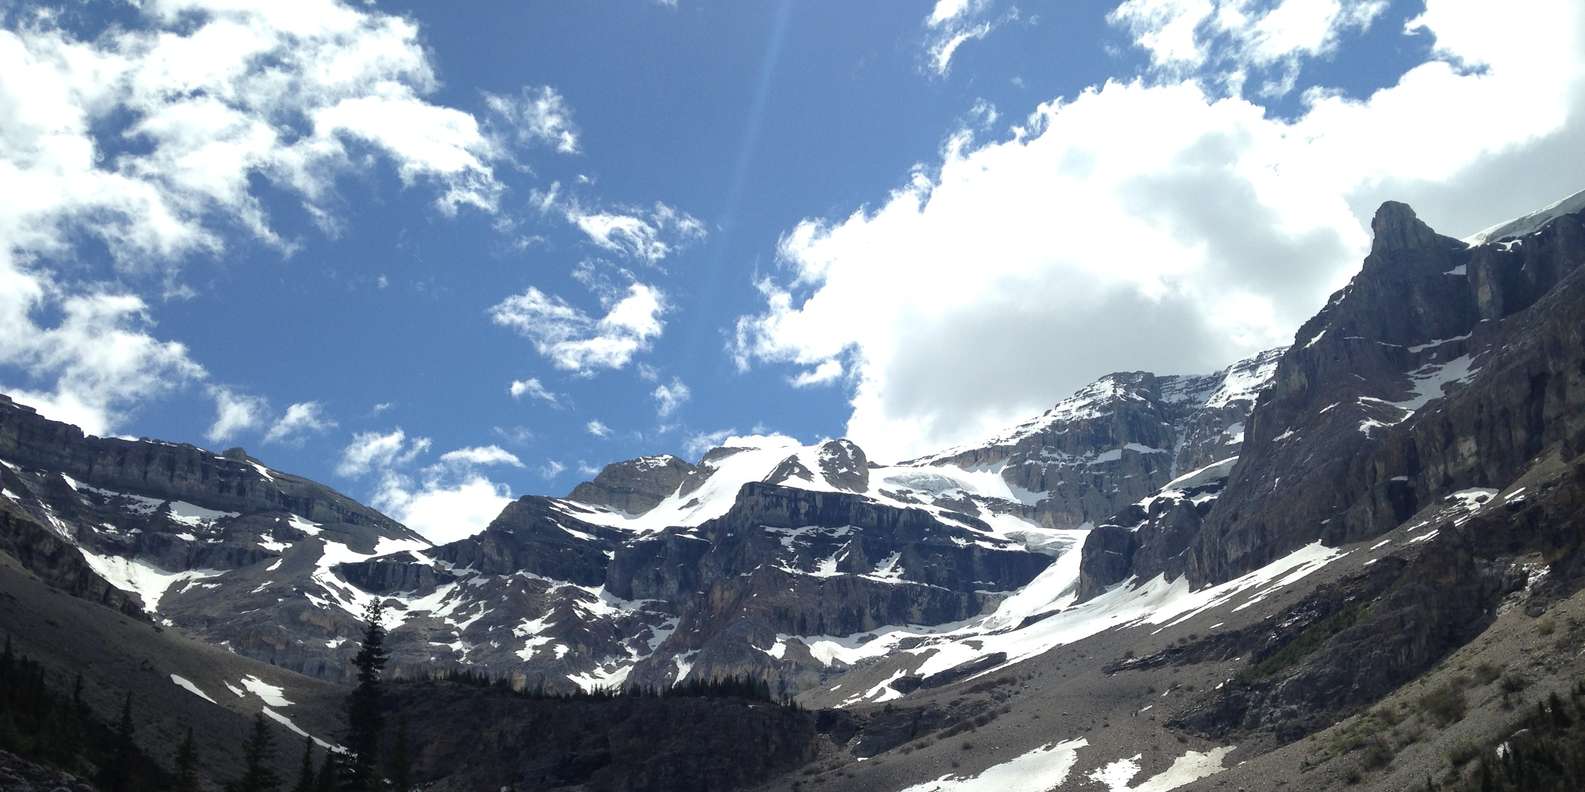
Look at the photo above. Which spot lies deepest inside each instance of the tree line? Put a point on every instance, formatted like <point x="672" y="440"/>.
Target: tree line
<point x="40" y="724"/>
<point x="43" y="725"/>
<point x="738" y="686"/>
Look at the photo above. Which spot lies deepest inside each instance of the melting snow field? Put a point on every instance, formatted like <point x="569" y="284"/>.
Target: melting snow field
<point x="1156" y="602"/>
<point x="1191" y="766"/>
<point x="149" y="582"/>
<point x="271" y="695"/>
<point x="1044" y="768"/>
<point x="1048" y="766"/>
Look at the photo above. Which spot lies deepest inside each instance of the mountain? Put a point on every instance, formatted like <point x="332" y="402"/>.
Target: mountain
<point x="750" y="560"/>
<point x="1348" y="560"/>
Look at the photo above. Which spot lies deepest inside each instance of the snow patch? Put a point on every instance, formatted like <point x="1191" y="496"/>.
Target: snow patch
<point x="1044" y="768"/>
<point x="187" y="685"/>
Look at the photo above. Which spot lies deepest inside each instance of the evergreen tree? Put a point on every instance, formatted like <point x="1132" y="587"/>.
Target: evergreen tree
<point x="115" y="775"/>
<point x="401" y="762"/>
<point x="257" y="776"/>
<point x="326" y="782"/>
<point x="365" y="706"/>
<point x="306" y="776"/>
<point x="187" y="765"/>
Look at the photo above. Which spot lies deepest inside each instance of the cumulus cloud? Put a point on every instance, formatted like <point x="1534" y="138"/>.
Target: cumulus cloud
<point x="532" y="388"/>
<point x="371" y="451"/>
<point x="551" y="469"/>
<point x="97" y="361"/>
<point x="536" y="115"/>
<point x="439" y="510"/>
<point x="447" y="501"/>
<point x="301" y="419"/>
<point x="235" y="413"/>
<point x="1095" y="238"/>
<point x="151" y="138"/>
<point x="573" y="340"/>
<point x="669" y="396"/>
<point x="597" y="429"/>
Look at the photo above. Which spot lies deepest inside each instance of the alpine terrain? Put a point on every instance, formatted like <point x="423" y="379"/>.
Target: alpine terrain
<point x="1354" y="562"/>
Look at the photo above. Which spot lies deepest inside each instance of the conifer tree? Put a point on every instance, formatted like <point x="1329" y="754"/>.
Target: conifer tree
<point x="401" y="763"/>
<point x="257" y="754"/>
<point x="306" y="775"/>
<point x="365" y="706"/>
<point x="328" y="772"/>
<point x="187" y="765"/>
<point x="115" y="775"/>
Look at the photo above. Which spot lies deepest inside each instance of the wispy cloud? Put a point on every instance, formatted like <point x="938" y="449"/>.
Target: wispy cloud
<point x="573" y="340"/>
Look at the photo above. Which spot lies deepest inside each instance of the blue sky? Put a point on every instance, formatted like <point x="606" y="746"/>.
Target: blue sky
<point x="668" y="223"/>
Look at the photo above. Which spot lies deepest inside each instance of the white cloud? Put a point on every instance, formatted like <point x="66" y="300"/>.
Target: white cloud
<point x="698" y="443"/>
<point x="442" y="511"/>
<point x="597" y="429"/>
<point x="953" y="23"/>
<point x="942" y="50"/>
<point x="670" y="396"/>
<point x="444" y="502"/>
<point x="827" y="372"/>
<point x="551" y="469"/>
<point x="371" y="451"/>
<point x="235" y="413"/>
<point x="481" y="455"/>
<point x="1185" y="35"/>
<point x="532" y="388"/>
<point x="302" y="418"/>
<point x="538" y="114"/>
<point x="1099" y="237"/>
<point x="575" y="341"/>
<point x="646" y="236"/>
<point x="151" y="138"/>
<point x="945" y="11"/>
<point x="95" y="363"/>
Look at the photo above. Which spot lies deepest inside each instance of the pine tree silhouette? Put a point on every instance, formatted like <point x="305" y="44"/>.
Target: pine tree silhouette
<point x="365" y="706"/>
<point x="257" y="754"/>
<point x="116" y="774"/>
<point x="187" y="765"/>
<point x="306" y="775"/>
<point x="401" y="763"/>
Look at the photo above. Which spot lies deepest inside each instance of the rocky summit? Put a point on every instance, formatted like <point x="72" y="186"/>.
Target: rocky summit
<point x="1355" y="560"/>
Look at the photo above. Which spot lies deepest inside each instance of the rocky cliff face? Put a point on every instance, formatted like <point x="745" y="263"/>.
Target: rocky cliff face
<point x="1440" y="367"/>
<point x="1120" y="439"/>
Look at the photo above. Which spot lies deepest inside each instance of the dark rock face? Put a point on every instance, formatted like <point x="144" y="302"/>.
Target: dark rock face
<point x="169" y="471"/>
<point x="1349" y="644"/>
<point x="1439" y="367"/>
<point x="469" y="738"/>
<point x="788" y="561"/>
<point x="57" y="561"/>
<point x="634" y="486"/>
<point x="844" y="465"/>
<point x="231" y="537"/>
<point x="532" y="536"/>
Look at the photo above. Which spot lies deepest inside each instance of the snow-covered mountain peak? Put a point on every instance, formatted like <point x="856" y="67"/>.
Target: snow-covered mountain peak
<point x="1530" y="223"/>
